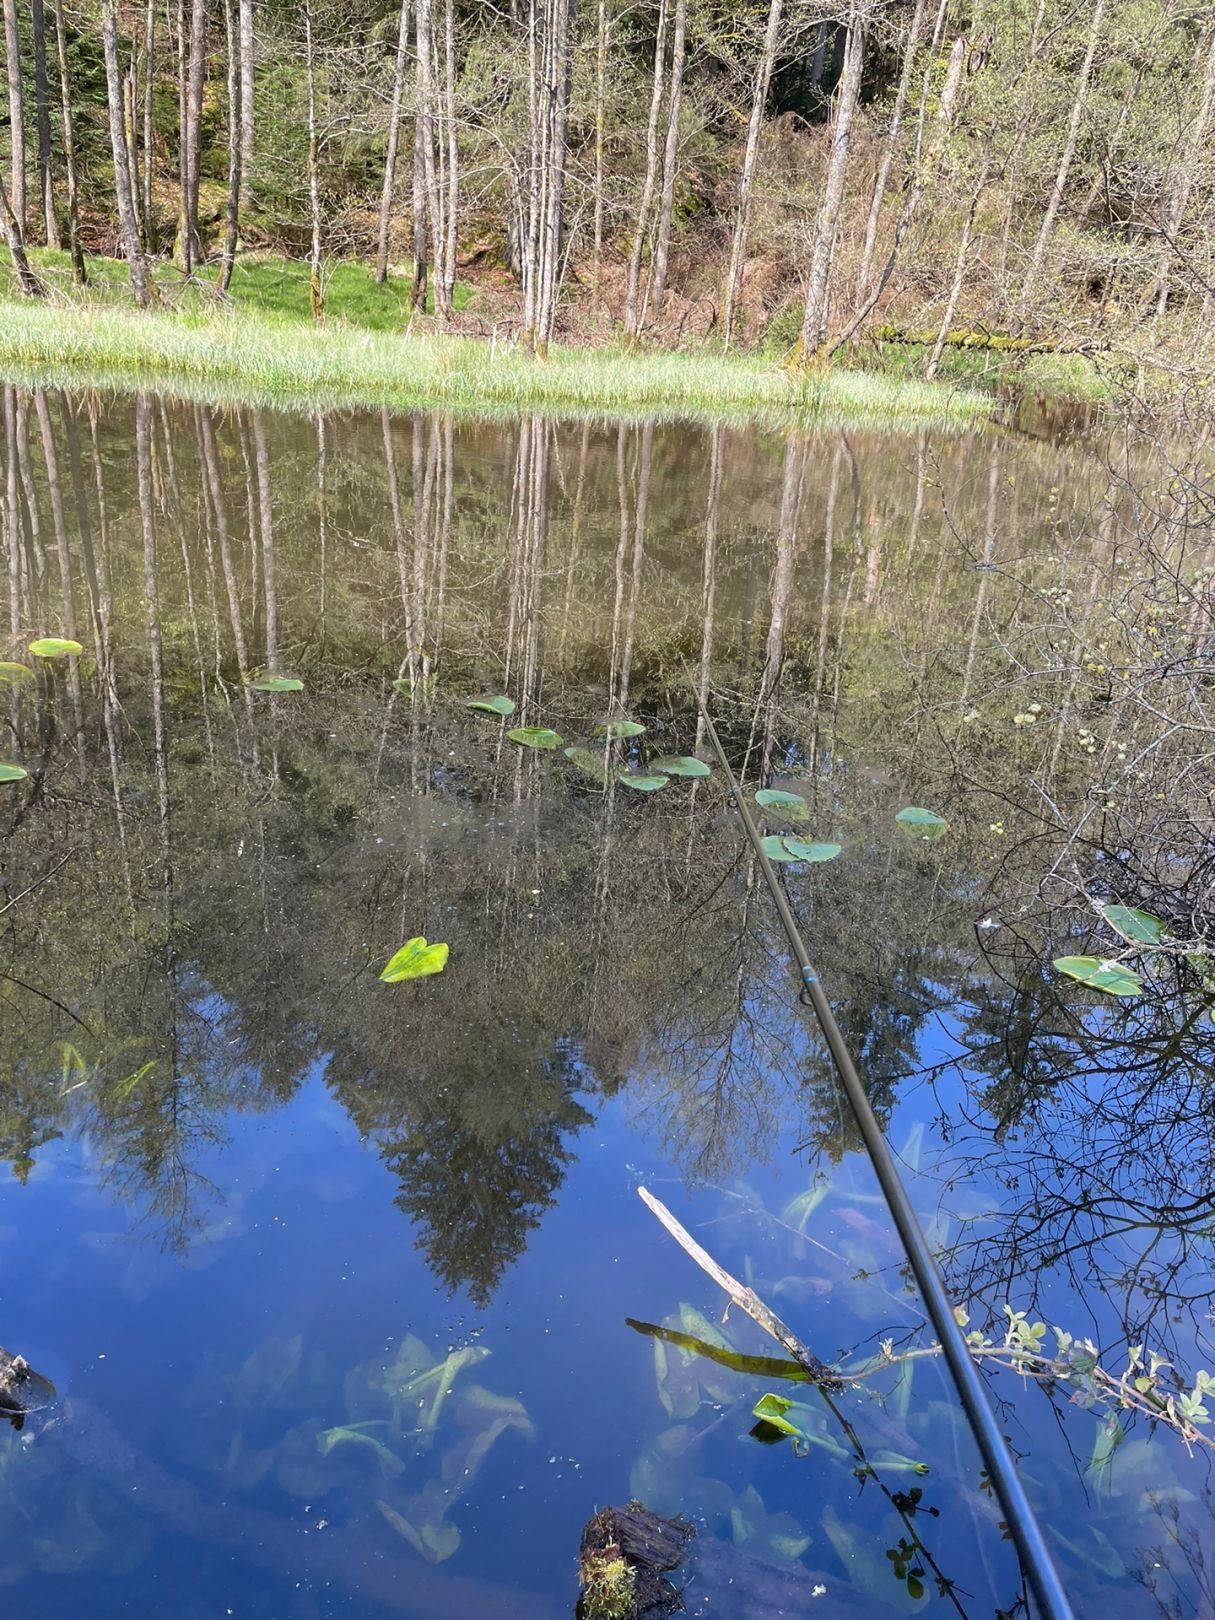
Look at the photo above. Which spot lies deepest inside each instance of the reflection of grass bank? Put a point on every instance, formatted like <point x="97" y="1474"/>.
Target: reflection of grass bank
<point x="261" y="359"/>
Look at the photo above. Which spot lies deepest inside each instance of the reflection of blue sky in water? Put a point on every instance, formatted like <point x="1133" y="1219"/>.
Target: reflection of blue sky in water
<point x="457" y="1173"/>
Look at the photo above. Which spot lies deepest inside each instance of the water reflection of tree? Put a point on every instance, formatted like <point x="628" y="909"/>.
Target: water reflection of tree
<point x="268" y="867"/>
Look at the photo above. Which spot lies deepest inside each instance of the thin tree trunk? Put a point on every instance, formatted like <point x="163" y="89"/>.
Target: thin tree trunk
<point x="888" y="150"/>
<point x="130" y="100"/>
<point x="453" y="157"/>
<point x="420" y="269"/>
<point x="316" y="291"/>
<point x="194" y="105"/>
<point x="1065" y="160"/>
<point x="27" y="281"/>
<point x="959" y="268"/>
<point x="651" y="174"/>
<point x="601" y="50"/>
<point x="1183" y="180"/>
<point x="149" y="85"/>
<point x="670" y="163"/>
<point x="529" y="220"/>
<point x="818" y="288"/>
<point x="128" y="223"/>
<point x="79" y="274"/>
<point x="750" y="165"/>
<point x="183" y="160"/>
<point x="560" y="57"/>
<point x="246" y="90"/>
<point x="16" y="111"/>
<point x="394" y="138"/>
<point x="424" y="15"/>
<point x="232" y="32"/>
<point x="42" y="105"/>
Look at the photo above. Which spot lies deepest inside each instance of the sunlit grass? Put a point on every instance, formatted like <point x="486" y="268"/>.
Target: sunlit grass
<point x="235" y="355"/>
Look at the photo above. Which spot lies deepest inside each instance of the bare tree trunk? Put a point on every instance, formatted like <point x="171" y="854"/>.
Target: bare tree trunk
<point x="888" y="151"/>
<point x="42" y="105"/>
<point x="959" y="268"/>
<point x="183" y="161"/>
<point x="192" y="249"/>
<point x="16" y="111"/>
<point x="79" y="274"/>
<point x="560" y="57"/>
<point x="1183" y="180"/>
<point x="149" y="85"/>
<point x="418" y="295"/>
<point x="651" y="174"/>
<point x="394" y="138"/>
<point x="27" y="281"/>
<point x="601" y="50"/>
<point x="453" y="157"/>
<point x="232" y="33"/>
<point x="130" y="99"/>
<point x="746" y="180"/>
<point x="926" y="173"/>
<point x="670" y="163"/>
<point x="128" y="223"/>
<point x="316" y="291"/>
<point x="1020" y="136"/>
<point x="426" y="98"/>
<point x="529" y="216"/>
<point x="246" y="89"/>
<point x="818" y="288"/>
<point x="1065" y="160"/>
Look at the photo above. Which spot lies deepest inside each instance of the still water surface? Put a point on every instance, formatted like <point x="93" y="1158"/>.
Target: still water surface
<point x="346" y="1285"/>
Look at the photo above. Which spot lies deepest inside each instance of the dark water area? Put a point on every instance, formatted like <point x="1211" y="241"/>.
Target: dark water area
<point x="345" y="1285"/>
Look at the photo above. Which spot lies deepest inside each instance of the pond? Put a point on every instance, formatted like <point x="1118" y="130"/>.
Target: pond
<point x="345" y="1285"/>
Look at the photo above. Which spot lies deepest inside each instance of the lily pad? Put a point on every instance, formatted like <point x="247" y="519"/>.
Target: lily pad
<point x="500" y="706"/>
<point x="797" y="849"/>
<point x="54" y="647"/>
<point x="13" y="773"/>
<point x="1098" y="973"/>
<point x="922" y="823"/>
<point x="586" y="760"/>
<point x="415" y="960"/>
<point x="15" y="674"/>
<point x="619" y="728"/>
<point x="534" y="737"/>
<point x="276" y="683"/>
<point x="642" y="784"/>
<point x="680" y="765"/>
<point x="1137" y="927"/>
<point x="789" y="806"/>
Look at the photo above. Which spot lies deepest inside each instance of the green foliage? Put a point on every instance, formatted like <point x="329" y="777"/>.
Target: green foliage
<point x="535" y="737"/>
<point x="608" y="1586"/>
<point x="618" y="729"/>
<point x="275" y="683"/>
<point x="1099" y="973"/>
<point x="792" y="806"/>
<point x="678" y="765"/>
<point x="922" y="823"/>
<point x="642" y="784"/>
<point x="415" y="960"/>
<point x="1136" y="927"/>
<point x="796" y="849"/>
<point x="500" y="707"/>
<point x="55" y="647"/>
<point x="15" y="674"/>
<point x="13" y="773"/>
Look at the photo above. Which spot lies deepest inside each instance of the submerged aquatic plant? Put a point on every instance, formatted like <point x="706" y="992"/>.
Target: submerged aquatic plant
<point x="416" y="959"/>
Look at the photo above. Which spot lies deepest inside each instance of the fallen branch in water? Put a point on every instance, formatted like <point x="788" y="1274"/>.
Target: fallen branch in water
<point x="745" y="1298"/>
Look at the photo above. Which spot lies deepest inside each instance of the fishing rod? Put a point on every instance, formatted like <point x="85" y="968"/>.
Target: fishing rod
<point x="1022" y="1522"/>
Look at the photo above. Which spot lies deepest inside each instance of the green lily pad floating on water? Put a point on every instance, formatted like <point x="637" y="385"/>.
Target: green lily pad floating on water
<point x="15" y="674"/>
<point x="789" y="806"/>
<point x="619" y="728"/>
<point x="53" y="647"/>
<point x="642" y="784"/>
<point x="797" y="849"/>
<point x="534" y="737"/>
<point x="276" y="683"/>
<point x="922" y="823"/>
<point x="1135" y="926"/>
<point x="587" y="761"/>
<point x="416" y="959"/>
<point x="1098" y="973"/>
<point x="13" y="773"/>
<point x="500" y="706"/>
<point x="680" y="765"/>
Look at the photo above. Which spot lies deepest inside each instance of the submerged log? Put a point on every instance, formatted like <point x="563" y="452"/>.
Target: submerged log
<point x="978" y="337"/>
<point x="623" y="1561"/>
<point x="22" y="1390"/>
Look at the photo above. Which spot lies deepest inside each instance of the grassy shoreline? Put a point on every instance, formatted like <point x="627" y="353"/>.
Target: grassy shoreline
<point x="263" y="359"/>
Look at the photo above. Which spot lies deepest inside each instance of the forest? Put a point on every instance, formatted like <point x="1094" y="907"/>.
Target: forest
<point x="921" y="179"/>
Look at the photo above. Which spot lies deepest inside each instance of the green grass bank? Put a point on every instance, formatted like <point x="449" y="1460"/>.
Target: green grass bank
<point x="260" y="359"/>
<point x="264" y="348"/>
